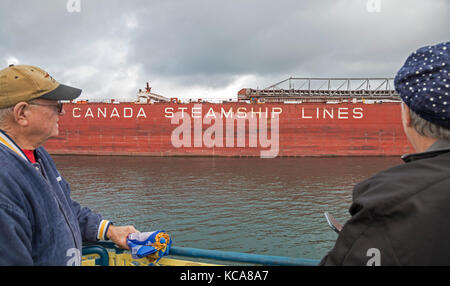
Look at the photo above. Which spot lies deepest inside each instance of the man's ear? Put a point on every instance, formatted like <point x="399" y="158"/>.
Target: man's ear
<point x="406" y="116"/>
<point x="21" y="114"/>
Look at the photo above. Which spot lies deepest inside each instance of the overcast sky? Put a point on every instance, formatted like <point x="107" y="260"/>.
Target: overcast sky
<point x="211" y="49"/>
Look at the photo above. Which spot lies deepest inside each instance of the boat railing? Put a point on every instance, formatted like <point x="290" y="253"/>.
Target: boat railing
<point x="105" y="253"/>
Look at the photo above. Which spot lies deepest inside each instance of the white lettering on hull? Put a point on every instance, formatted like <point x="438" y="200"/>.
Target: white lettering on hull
<point x="317" y="113"/>
<point x="332" y="113"/>
<point x="105" y="112"/>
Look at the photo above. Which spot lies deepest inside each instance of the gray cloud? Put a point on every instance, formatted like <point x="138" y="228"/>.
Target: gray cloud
<point x="111" y="48"/>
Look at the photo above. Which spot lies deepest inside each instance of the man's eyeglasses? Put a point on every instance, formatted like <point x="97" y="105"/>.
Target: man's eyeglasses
<point x="58" y="106"/>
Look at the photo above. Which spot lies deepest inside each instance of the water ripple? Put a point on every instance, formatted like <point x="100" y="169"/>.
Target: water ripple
<point x="253" y="205"/>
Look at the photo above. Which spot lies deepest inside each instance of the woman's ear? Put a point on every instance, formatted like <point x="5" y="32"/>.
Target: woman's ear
<point x="406" y="116"/>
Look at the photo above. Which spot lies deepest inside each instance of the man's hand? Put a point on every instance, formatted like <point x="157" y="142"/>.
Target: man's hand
<point x="119" y="234"/>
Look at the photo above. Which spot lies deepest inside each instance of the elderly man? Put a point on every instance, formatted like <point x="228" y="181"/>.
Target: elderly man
<point x="39" y="223"/>
<point x="401" y="215"/>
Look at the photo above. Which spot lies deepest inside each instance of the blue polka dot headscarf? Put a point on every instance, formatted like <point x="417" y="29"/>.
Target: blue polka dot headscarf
<point x="423" y="83"/>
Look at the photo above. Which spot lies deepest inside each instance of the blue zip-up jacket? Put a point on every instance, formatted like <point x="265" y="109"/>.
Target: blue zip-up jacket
<point x="39" y="223"/>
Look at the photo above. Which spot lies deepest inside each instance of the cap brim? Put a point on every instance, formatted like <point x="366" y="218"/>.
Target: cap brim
<point x="62" y="92"/>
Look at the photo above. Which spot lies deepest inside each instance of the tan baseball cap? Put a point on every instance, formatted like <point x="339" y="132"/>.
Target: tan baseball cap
<point x="23" y="83"/>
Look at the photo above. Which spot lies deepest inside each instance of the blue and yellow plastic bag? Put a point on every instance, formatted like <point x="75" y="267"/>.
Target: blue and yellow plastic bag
<point x="151" y="245"/>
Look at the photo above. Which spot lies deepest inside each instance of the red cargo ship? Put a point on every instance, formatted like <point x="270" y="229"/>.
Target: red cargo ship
<point x="272" y="122"/>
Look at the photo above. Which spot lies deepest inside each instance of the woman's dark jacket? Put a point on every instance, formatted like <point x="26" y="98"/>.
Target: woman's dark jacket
<point x="401" y="216"/>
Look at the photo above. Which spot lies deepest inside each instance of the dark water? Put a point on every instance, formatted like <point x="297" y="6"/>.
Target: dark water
<point x="253" y="205"/>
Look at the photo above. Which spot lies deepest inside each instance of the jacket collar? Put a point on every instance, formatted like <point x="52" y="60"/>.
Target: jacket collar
<point x="10" y="144"/>
<point x="439" y="147"/>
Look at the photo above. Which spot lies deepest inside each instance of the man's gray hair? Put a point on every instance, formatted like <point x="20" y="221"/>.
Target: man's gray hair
<point x="4" y="113"/>
<point x="428" y="129"/>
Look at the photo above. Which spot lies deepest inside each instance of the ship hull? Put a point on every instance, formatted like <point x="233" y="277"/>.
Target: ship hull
<point x="231" y="130"/>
